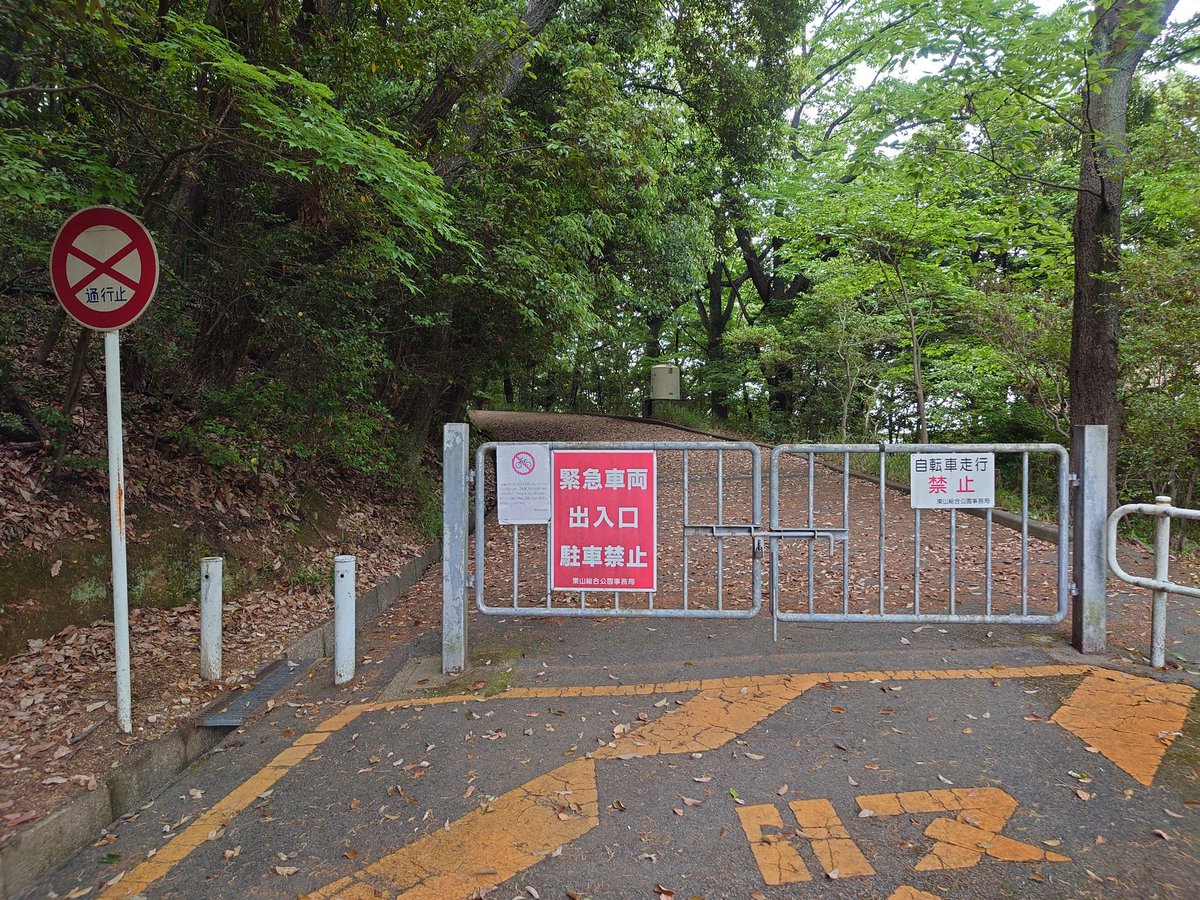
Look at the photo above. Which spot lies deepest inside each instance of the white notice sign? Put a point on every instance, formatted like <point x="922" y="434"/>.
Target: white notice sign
<point x="523" y="484"/>
<point x="948" y="480"/>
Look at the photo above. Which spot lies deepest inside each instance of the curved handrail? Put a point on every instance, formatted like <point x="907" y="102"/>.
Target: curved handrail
<point x="1158" y="510"/>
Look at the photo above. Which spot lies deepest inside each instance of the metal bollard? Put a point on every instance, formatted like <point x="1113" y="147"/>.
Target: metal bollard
<point x="1162" y="564"/>
<point x="343" y="619"/>
<point x="212" y="571"/>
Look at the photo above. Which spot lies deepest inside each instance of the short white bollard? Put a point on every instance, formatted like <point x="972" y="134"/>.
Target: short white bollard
<point x="343" y="619"/>
<point x="1162" y="569"/>
<point x="212" y="570"/>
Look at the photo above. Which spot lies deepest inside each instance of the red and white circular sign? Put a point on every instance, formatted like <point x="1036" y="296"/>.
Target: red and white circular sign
<point x="104" y="267"/>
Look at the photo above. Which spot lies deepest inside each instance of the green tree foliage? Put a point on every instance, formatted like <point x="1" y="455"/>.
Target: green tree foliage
<point x="839" y="219"/>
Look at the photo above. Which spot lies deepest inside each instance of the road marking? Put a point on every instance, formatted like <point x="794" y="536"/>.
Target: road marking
<point x="222" y="813"/>
<point x="722" y="709"/>
<point x="838" y="855"/>
<point x="485" y="847"/>
<point x="1131" y="720"/>
<point x="709" y="720"/>
<point x="961" y="842"/>
<point x="777" y="859"/>
<point x="908" y="892"/>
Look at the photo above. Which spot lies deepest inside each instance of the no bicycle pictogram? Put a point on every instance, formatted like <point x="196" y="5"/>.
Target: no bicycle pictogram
<point x="523" y="463"/>
<point x="104" y="267"/>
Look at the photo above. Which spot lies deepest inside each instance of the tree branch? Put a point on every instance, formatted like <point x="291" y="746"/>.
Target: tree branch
<point x="1073" y="188"/>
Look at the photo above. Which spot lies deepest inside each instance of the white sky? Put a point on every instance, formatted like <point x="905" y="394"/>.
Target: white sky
<point x="1185" y="10"/>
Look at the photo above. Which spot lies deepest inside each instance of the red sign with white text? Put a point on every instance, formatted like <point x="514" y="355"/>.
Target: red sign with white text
<point x="604" y="524"/>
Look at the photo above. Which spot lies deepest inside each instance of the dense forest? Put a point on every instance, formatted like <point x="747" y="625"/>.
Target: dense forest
<point x="953" y="220"/>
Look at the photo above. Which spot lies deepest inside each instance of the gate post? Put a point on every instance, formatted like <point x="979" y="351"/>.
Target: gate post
<point x="1089" y="451"/>
<point x="455" y="451"/>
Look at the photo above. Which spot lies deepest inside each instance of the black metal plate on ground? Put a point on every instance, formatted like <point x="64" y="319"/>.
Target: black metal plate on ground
<point x="234" y="710"/>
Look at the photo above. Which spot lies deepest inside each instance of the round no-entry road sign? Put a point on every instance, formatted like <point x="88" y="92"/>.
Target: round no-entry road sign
<point x="104" y="267"/>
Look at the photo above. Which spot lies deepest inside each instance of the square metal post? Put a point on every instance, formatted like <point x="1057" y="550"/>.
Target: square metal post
<point x="1089" y="454"/>
<point x="455" y="455"/>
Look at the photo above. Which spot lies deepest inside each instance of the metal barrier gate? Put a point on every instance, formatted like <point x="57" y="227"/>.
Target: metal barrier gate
<point x="974" y="583"/>
<point x="1161" y="583"/>
<point x="711" y="540"/>
<point x="953" y="569"/>
<point x="711" y="494"/>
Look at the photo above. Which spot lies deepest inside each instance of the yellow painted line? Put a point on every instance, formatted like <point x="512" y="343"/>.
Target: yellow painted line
<point x="777" y="859"/>
<point x="723" y="708"/>
<point x="487" y="846"/>
<point x="711" y="684"/>
<point x="222" y="813"/>
<point x="1131" y="720"/>
<point x="709" y="720"/>
<point x="961" y="842"/>
<point x="908" y="892"/>
<point x="837" y="853"/>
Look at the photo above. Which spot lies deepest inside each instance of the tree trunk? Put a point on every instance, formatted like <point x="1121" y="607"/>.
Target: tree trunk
<point x="48" y="342"/>
<point x="715" y="313"/>
<point x="918" y="381"/>
<point x="1117" y="48"/>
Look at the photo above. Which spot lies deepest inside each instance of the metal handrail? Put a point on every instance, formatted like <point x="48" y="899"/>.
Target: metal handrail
<point x="1162" y="510"/>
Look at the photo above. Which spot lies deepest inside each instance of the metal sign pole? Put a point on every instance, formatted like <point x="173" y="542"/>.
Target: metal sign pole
<point x="116" y="517"/>
<point x="104" y="271"/>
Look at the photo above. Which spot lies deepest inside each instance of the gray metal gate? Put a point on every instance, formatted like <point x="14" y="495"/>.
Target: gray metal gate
<point x="962" y="578"/>
<point x="711" y="494"/>
<point x="980" y="566"/>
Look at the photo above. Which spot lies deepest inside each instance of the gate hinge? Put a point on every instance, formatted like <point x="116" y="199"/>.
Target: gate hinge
<point x="1072" y="479"/>
<point x="470" y="580"/>
<point x="470" y="474"/>
<point x="1072" y="589"/>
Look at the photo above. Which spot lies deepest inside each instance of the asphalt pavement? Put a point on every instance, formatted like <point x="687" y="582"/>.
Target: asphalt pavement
<point x="648" y="757"/>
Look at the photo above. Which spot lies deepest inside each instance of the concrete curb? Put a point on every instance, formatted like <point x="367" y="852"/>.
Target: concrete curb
<point x="44" y="844"/>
